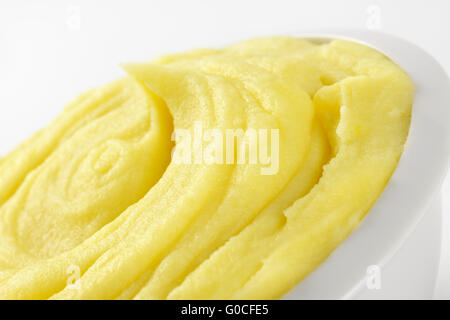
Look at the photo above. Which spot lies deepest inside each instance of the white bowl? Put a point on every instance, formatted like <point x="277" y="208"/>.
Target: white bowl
<point x="413" y="186"/>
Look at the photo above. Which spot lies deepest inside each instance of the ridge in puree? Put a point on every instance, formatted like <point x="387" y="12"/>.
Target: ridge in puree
<point x="93" y="207"/>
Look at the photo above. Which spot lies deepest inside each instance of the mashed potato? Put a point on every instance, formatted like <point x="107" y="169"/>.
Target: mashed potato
<point x="94" y="207"/>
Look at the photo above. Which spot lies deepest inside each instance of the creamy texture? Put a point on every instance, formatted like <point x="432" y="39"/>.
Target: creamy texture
<point x="95" y="195"/>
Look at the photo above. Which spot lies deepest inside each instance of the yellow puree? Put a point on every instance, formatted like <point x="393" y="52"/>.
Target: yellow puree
<point x="94" y="196"/>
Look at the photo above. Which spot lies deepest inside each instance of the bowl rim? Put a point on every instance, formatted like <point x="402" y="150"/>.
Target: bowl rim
<point x="413" y="185"/>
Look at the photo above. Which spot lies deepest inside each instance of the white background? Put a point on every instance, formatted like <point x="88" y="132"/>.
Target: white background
<point x="51" y="50"/>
